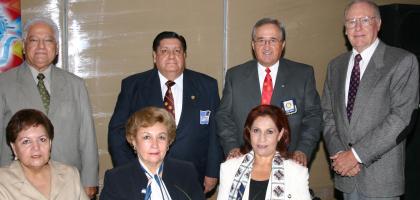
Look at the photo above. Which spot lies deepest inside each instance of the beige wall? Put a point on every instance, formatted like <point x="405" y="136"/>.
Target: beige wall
<point x="109" y="40"/>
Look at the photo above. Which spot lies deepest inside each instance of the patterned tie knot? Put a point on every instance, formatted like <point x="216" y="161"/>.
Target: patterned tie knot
<point x="267" y="69"/>
<point x="40" y="76"/>
<point x="169" y="84"/>
<point x="358" y="58"/>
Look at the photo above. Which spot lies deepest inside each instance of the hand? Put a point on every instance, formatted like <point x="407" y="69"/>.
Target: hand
<point x="234" y="153"/>
<point x="300" y="158"/>
<point x="91" y="191"/>
<point x="343" y="162"/>
<point x="209" y="183"/>
<point x="354" y="171"/>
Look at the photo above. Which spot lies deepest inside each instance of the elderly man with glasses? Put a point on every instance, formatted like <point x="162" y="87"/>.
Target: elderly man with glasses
<point x="369" y="95"/>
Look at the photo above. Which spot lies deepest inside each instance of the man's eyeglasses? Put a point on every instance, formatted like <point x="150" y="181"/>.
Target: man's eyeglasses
<point x="364" y="21"/>
<point x="165" y="52"/>
<point x="271" y="42"/>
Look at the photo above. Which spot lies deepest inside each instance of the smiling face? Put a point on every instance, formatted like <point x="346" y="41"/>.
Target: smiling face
<point x="151" y="144"/>
<point x="362" y="35"/>
<point x="40" y="46"/>
<point x="32" y="147"/>
<point x="264" y="136"/>
<point x="268" y="44"/>
<point x="169" y="58"/>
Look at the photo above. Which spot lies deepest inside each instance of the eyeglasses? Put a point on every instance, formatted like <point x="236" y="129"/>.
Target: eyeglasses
<point x="34" y="41"/>
<point x="166" y="52"/>
<point x="364" y="21"/>
<point x="271" y="41"/>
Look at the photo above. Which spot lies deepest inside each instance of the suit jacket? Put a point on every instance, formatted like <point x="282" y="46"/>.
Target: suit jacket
<point x="295" y="81"/>
<point x="295" y="180"/>
<point x="69" y="111"/>
<point x="130" y="182"/>
<point x="194" y="142"/>
<point x="387" y="94"/>
<point x="65" y="183"/>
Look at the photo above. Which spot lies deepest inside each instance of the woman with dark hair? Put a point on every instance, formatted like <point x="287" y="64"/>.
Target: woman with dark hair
<point x="32" y="175"/>
<point x="264" y="170"/>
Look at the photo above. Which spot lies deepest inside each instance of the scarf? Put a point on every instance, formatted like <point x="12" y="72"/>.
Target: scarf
<point x="242" y="176"/>
<point x="156" y="188"/>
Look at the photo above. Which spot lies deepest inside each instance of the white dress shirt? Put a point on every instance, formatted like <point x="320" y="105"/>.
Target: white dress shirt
<point x="273" y="73"/>
<point x="366" y="56"/>
<point x="177" y="90"/>
<point x="47" y="74"/>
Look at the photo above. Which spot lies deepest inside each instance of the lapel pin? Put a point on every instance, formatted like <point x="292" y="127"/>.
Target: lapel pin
<point x="192" y="97"/>
<point x="282" y="86"/>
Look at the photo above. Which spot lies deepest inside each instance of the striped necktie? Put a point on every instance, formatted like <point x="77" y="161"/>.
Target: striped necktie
<point x="168" y="101"/>
<point x="45" y="97"/>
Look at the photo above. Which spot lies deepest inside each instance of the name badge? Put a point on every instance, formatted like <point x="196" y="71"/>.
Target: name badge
<point x="204" y="116"/>
<point x="289" y="107"/>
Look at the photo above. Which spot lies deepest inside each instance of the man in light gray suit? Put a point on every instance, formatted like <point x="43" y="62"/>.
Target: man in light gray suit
<point x="38" y="84"/>
<point x="271" y="79"/>
<point x="369" y="95"/>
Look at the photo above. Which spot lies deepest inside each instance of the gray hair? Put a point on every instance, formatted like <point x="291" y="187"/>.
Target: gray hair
<point x="42" y="20"/>
<point x="265" y="21"/>
<point x="372" y="4"/>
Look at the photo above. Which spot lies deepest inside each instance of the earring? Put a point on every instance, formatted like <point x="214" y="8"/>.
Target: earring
<point x="134" y="148"/>
<point x="15" y="158"/>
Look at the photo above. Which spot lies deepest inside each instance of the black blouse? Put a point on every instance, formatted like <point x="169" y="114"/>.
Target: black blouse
<point x="257" y="189"/>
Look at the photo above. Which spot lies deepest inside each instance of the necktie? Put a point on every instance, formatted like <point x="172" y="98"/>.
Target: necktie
<point x="45" y="97"/>
<point x="354" y="85"/>
<point x="267" y="88"/>
<point x="168" y="101"/>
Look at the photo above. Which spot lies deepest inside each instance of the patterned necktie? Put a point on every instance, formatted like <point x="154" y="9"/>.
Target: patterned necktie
<point x="354" y="85"/>
<point x="168" y="101"/>
<point x="267" y="88"/>
<point x="45" y="97"/>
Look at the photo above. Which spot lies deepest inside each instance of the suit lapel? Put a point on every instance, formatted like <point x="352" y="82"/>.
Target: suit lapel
<point x="251" y="85"/>
<point x="58" y="181"/>
<point x="25" y="188"/>
<point x="367" y="83"/>
<point x="190" y="95"/>
<point x="280" y="86"/>
<point x="27" y="85"/>
<point x="152" y="91"/>
<point x="57" y="94"/>
<point x="340" y="77"/>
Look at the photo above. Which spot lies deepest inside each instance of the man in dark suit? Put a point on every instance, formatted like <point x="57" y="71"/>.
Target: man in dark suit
<point x="369" y="95"/>
<point x="271" y="79"/>
<point x="59" y="94"/>
<point x="194" y="99"/>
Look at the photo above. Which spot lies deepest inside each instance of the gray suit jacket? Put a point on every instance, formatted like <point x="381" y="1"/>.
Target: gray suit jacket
<point x="295" y="81"/>
<point x="387" y="94"/>
<point x="74" y="139"/>
<point x="65" y="183"/>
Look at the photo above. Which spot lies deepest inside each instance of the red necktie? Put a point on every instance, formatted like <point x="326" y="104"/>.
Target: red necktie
<point x="267" y="91"/>
<point x="354" y="85"/>
<point x="168" y="101"/>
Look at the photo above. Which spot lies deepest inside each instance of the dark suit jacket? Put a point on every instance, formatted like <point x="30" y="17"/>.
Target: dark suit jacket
<point x="128" y="181"/>
<point x="295" y="81"/>
<point x="194" y="142"/>
<point x="387" y="95"/>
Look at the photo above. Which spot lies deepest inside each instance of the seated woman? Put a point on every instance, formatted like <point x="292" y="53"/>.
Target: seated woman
<point x="33" y="175"/>
<point x="264" y="172"/>
<point x="150" y="131"/>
